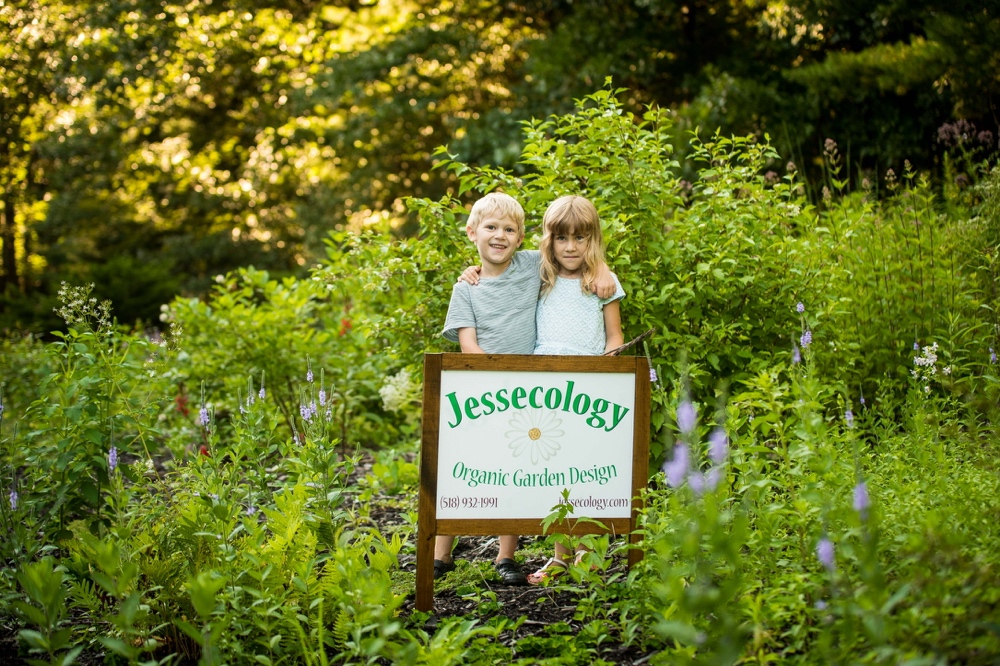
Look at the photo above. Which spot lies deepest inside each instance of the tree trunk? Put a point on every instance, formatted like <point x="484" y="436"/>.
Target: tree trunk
<point x="8" y="237"/>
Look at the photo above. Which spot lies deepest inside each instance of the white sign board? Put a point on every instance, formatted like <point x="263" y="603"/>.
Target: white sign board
<point x="510" y="442"/>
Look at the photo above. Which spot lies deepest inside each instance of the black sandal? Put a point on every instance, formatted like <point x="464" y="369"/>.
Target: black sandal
<point x="510" y="572"/>
<point x="441" y="568"/>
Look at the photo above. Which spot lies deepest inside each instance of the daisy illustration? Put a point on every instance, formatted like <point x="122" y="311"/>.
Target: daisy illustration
<point x="535" y="432"/>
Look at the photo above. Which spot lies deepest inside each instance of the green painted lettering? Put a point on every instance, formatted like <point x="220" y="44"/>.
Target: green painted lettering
<point x="619" y="413"/>
<point x="531" y="397"/>
<point x="502" y="401"/>
<point x="569" y="396"/>
<point x="470" y="404"/>
<point x="552" y="398"/>
<point x="595" y="420"/>
<point x="488" y="404"/>
<point x="517" y="396"/>
<point x="454" y="406"/>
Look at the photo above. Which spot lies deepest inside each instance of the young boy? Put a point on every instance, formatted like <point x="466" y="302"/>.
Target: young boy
<point x="497" y="316"/>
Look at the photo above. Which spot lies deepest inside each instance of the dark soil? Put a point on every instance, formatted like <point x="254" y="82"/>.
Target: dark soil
<point x="541" y="607"/>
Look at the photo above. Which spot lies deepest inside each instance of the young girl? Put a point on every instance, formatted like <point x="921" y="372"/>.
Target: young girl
<point x="570" y="319"/>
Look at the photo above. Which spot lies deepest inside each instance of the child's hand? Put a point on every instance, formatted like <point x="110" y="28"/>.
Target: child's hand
<point x="471" y="275"/>
<point x="604" y="284"/>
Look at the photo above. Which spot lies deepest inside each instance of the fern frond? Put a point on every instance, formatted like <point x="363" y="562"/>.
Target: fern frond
<point x="341" y="629"/>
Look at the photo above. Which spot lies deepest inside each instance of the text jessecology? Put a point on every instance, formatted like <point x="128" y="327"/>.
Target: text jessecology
<point x="604" y="414"/>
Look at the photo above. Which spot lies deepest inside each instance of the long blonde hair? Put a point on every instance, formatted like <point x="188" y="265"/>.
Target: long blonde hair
<point x="568" y="216"/>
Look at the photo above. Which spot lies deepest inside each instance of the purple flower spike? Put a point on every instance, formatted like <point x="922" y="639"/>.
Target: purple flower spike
<point x="13" y="500"/>
<point x="112" y="458"/>
<point x="800" y="308"/>
<point x="796" y="354"/>
<point x="697" y="482"/>
<point x="203" y="418"/>
<point x="806" y="339"/>
<point x="322" y="397"/>
<point x="916" y="346"/>
<point x="849" y="418"/>
<point x="261" y="394"/>
<point x="861" y="500"/>
<point x="686" y="416"/>
<point x="652" y="376"/>
<point x="993" y="356"/>
<point x="718" y="446"/>
<point x="712" y="478"/>
<point x="677" y="468"/>
<point x="824" y="553"/>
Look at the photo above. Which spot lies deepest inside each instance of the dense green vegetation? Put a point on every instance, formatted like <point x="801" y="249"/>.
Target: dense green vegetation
<point x="147" y="146"/>
<point x="188" y="497"/>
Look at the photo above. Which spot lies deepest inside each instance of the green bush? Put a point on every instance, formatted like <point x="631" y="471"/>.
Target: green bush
<point x="280" y="333"/>
<point x="734" y="565"/>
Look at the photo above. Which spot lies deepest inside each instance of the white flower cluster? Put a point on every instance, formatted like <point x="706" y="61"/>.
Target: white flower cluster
<point x="398" y="391"/>
<point x="79" y="308"/>
<point x="927" y="368"/>
<point x="166" y="314"/>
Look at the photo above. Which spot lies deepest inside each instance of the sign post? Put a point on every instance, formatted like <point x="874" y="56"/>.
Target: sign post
<point x="503" y="435"/>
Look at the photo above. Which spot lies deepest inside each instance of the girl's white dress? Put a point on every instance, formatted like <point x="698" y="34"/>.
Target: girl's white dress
<point x="570" y="322"/>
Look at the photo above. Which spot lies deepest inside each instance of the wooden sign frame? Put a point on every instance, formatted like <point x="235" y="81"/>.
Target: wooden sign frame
<point x="428" y="523"/>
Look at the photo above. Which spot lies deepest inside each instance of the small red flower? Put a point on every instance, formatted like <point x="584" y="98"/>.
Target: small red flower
<point x="203" y="450"/>
<point x="345" y="326"/>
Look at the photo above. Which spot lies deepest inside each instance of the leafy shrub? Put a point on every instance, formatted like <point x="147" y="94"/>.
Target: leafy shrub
<point x="102" y="391"/>
<point x="816" y="548"/>
<point x="280" y="334"/>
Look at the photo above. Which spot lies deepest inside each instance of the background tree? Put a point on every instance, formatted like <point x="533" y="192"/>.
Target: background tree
<point x="149" y="146"/>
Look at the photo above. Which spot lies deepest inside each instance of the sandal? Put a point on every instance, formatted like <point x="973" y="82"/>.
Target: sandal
<point x="549" y="572"/>
<point x="441" y="568"/>
<point x="581" y="556"/>
<point x="510" y="572"/>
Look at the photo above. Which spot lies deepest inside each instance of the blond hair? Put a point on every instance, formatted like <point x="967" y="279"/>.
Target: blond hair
<point x="499" y="205"/>
<point x="569" y="216"/>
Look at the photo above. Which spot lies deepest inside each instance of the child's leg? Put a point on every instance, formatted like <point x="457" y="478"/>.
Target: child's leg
<point x="442" y="548"/>
<point x="509" y="570"/>
<point x="508" y="545"/>
<point x="563" y="551"/>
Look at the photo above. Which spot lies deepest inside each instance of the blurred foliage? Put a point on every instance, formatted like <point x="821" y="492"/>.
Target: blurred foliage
<point x="148" y="146"/>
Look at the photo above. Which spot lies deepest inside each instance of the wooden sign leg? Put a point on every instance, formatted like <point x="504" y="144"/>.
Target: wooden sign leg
<point x="425" y="569"/>
<point x="427" y="499"/>
<point x="635" y="552"/>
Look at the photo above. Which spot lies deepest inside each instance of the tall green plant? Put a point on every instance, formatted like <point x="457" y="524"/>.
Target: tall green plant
<point x="299" y="339"/>
<point x="103" y="393"/>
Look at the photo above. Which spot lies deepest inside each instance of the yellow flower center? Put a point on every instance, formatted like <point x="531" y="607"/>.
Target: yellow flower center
<point x="534" y="434"/>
